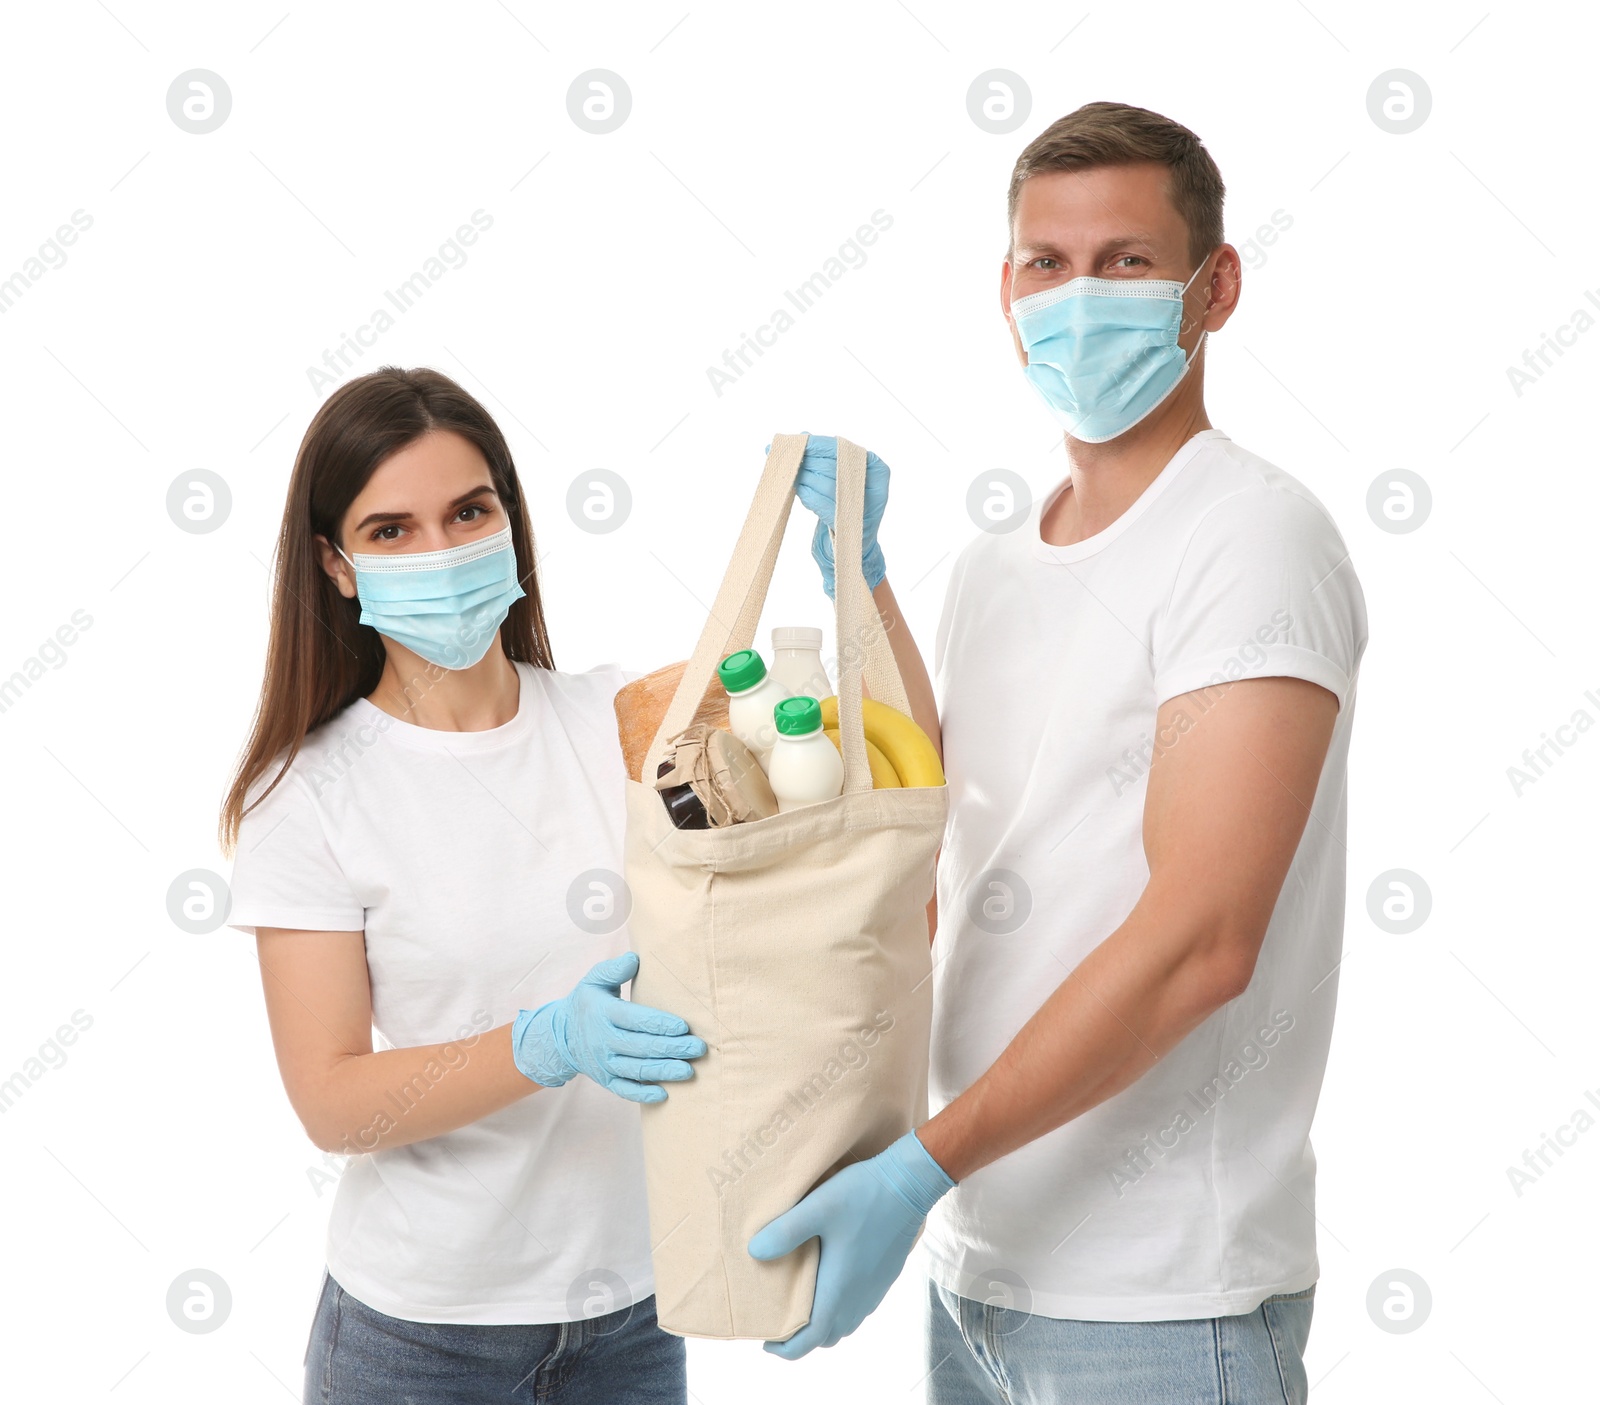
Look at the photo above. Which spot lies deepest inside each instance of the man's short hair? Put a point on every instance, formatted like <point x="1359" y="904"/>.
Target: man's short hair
<point x="1114" y="134"/>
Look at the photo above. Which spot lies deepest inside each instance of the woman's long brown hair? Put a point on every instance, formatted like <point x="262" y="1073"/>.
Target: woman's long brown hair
<point x="320" y="658"/>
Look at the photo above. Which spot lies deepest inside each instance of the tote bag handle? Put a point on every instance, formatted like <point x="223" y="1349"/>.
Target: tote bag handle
<point x="863" y="646"/>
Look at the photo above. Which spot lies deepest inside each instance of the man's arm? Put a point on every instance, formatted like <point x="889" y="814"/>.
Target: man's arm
<point x="913" y="672"/>
<point x="1224" y="811"/>
<point x="919" y="691"/>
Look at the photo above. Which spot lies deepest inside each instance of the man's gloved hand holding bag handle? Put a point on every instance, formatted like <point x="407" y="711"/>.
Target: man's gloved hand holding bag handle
<point x="796" y="946"/>
<point x="737" y="609"/>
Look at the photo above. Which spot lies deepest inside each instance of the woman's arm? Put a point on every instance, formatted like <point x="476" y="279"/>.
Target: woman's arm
<point x="348" y="1098"/>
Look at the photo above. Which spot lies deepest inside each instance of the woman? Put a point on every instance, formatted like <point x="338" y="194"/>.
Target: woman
<point x="427" y="829"/>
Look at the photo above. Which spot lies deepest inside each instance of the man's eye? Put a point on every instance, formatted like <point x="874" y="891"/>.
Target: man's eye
<point x="1046" y="265"/>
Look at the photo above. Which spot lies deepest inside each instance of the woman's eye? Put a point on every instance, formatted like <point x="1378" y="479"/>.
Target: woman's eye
<point x="388" y="533"/>
<point x="475" y="509"/>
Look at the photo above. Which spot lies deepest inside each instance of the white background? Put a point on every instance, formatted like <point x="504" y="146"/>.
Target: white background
<point x="1374" y="335"/>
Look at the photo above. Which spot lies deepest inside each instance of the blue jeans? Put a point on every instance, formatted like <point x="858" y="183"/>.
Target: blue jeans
<point x="980" y="1354"/>
<point x="358" y="1356"/>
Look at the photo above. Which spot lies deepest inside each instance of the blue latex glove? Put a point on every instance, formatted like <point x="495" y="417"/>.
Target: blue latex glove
<point x="867" y="1217"/>
<point x="816" y="485"/>
<point x="629" y="1049"/>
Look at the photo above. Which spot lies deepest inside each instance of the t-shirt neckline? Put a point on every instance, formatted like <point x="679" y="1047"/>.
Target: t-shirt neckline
<point x="1090" y="546"/>
<point x="437" y="739"/>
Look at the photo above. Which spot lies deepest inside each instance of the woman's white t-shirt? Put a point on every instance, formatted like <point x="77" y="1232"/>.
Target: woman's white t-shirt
<point x="484" y="868"/>
<point x="1190" y="1193"/>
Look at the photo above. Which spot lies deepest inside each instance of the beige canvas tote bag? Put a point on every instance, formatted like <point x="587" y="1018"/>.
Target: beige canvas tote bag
<point x="796" y="946"/>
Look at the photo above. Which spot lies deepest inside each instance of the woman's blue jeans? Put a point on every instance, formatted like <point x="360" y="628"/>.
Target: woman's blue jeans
<point x="358" y="1356"/>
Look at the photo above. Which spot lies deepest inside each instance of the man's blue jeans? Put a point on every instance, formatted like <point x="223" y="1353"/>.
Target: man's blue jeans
<point x="359" y="1356"/>
<point x="980" y="1354"/>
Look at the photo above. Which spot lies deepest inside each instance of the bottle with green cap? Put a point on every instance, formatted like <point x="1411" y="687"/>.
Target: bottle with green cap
<point x="752" y="694"/>
<point x="806" y="768"/>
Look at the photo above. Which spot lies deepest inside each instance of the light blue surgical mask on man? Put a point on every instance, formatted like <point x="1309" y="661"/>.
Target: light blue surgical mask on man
<point x="444" y="605"/>
<point x="1103" y="352"/>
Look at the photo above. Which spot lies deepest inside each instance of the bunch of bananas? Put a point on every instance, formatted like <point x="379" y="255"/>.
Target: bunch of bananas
<point x="898" y="750"/>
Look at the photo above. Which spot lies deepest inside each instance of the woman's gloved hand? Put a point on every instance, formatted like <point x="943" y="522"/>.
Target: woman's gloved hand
<point x="629" y="1049"/>
<point x="816" y="485"/>
<point x="867" y="1217"/>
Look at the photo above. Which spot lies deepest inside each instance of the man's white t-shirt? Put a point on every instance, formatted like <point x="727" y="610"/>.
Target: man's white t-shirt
<point x="1190" y="1193"/>
<point x="482" y="867"/>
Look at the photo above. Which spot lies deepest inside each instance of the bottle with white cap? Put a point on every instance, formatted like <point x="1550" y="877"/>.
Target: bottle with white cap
<point x="806" y="768"/>
<point x="797" y="662"/>
<point x="752" y="694"/>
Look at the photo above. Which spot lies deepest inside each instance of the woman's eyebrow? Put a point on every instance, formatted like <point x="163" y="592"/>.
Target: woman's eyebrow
<point x="373" y="518"/>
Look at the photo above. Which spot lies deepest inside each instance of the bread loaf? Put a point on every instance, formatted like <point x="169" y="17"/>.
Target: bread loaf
<point x="642" y="704"/>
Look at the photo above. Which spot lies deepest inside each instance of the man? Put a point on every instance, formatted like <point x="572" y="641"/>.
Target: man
<point x="1147" y="694"/>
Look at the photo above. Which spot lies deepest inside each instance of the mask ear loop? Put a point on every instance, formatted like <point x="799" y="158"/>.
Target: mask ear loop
<point x="1189" y="361"/>
<point x="355" y="570"/>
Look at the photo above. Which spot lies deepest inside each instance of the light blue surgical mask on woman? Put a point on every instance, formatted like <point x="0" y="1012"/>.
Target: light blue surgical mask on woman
<point x="444" y="605"/>
<point x="1103" y="352"/>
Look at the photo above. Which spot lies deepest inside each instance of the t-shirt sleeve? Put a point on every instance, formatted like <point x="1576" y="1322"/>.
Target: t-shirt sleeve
<point x="1265" y="589"/>
<point x="284" y="872"/>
